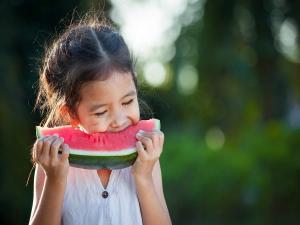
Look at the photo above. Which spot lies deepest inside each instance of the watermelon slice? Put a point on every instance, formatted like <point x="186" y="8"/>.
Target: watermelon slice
<point x="111" y="150"/>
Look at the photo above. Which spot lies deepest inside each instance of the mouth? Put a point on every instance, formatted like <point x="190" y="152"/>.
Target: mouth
<point x="120" y="129"/>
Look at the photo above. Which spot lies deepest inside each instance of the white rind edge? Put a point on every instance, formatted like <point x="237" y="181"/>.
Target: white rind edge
<point x="157" y="124"/>
<point x="79" y="152"/>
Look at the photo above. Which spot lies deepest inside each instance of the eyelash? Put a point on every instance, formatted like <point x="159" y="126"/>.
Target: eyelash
<point x="102" y="113"/>
<point x="127" y="103"/>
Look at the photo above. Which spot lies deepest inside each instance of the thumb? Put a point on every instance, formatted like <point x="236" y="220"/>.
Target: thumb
<point x="66" y="152"/>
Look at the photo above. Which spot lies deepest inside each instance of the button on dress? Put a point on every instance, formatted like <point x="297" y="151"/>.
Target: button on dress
<point x="87" y="202"/>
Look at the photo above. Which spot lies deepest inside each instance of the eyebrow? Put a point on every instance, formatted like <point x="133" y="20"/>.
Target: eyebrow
<point x="97" y="106"/>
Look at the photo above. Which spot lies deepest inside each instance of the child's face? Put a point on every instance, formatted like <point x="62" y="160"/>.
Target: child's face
<point x="109" y="105"/>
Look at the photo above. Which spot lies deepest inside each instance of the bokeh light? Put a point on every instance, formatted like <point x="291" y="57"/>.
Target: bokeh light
<point x="215" y="138"/>
<point x="154" y="73"/>
<point x="187" y="79"/>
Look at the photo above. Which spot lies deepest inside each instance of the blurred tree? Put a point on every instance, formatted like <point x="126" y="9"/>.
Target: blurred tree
<point x="243" y="78"/>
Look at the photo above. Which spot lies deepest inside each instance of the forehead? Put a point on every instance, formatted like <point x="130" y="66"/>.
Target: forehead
<point x="116" y="86"/>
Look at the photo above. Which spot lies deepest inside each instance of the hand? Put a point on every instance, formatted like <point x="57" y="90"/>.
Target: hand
<point x="149" y="148"/>
<point x="45" y="153"/>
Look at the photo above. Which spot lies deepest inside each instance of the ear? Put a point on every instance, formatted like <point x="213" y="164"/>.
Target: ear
<point x="67" y="116"/>
<point x="64" y="111"/>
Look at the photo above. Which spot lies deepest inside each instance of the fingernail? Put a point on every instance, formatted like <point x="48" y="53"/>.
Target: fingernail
<point x="138" y="134"/>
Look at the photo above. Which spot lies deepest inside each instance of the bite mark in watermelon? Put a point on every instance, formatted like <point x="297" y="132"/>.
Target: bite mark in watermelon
<point x="111" y="150"/>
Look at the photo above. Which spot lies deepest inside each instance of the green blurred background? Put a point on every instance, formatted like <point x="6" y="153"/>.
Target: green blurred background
<point x="228" y="100"/>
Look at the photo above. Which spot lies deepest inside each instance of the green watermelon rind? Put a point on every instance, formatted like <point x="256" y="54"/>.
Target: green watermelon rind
<point x="105" y="162"/>
<point x="122" y="152"/>
<point x="156" y="124"/>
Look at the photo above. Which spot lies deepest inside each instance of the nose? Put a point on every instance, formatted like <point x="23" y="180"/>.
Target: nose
<point x="119" y="119"/>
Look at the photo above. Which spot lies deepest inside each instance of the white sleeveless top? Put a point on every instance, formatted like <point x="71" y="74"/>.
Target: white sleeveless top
<point x="86" y="204"/>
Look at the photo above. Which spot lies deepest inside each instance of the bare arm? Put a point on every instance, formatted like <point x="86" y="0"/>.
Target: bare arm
<point x="148" y="179"/>
<point x="48" y="189"/>
<point x="151" y="197"/>
<point x="39" y="179"/>
<point x="47" y="203"/>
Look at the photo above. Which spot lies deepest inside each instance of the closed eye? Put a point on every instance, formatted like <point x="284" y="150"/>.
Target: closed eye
<point x="100" y="113"/>
<point x="127" y="103"/>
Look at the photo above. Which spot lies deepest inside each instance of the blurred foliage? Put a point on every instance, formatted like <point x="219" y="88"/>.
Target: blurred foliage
<point x="254" y="179"/>
<point x="245" y="89"/>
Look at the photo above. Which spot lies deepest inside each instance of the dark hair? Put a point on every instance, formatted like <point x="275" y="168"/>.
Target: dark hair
<point x="86" y="51"/>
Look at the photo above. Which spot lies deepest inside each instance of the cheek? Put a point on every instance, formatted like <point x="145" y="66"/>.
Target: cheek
<point x="99" y="128"/>
<point x="135" y="112"/>
<point x="97" y="125"/>
<point x="90" y="123"/>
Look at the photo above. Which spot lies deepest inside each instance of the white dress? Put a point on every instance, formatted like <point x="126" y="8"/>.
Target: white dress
<point x="86" y="202"/>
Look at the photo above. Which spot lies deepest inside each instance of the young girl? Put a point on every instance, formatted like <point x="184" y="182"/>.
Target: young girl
<point x="88" y="80"/>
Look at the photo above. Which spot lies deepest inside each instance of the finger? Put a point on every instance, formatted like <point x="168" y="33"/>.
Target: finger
<point x="40" y="147"/>
<point x="148" y="133"/>
<point x="161" y="139"/>
<point x="33" y="153"/>
<point x="47" y="145"/>
<point x="140" y="149"/>
<point x="36" y="151"/>
<point x="54" y="147"/>
<point x="148" y="143"/>
<point x="156" y="141"/>
<point x="154" y="136"/>
<point x="65" y="152"/>
<point x="156" y="130"/>
<point x="44" y="137"/>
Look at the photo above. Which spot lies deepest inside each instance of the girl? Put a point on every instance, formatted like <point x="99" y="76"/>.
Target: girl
<point x="87" y="80"/>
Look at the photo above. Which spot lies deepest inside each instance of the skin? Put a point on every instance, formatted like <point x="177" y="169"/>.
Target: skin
<point x="109" y="105"/>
